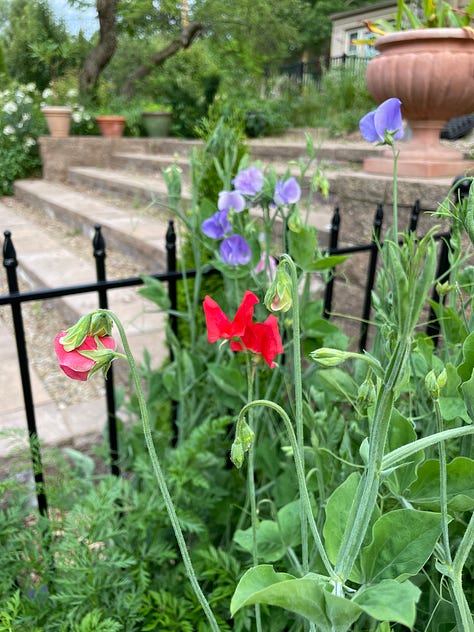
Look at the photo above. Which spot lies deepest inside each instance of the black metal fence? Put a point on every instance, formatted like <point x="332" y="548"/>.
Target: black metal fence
<point x="306" y="72"/>
<point x="14" y="298"/>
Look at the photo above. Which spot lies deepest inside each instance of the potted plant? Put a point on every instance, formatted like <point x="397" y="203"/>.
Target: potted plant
<point x="428" y="66"/>
<point x="157" y="119"/>
<point x="111" y="125"/>
<point x="58" y="117"/>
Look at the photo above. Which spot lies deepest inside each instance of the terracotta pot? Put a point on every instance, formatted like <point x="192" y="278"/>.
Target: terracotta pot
<point x="431" y="71"/>
<point x="58" y="119"/>
<point x="111" y="126"/>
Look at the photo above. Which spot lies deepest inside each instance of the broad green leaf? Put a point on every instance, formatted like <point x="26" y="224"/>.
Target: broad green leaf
<point x="308" y="596"/>
<point x="401" y="432"/>
<point x="403" y="540"/>
<point x="451" y="401"/>
<point x="302" y="246"/>
<point x="460" y="485"/>
<point x="467" y="389"/>
<point x="326" y="263"/>
<point x="228" y="380"/>
<point x="336" y="383"/>
<point x="274" y="537"/>
<point x="390" y="600"/>
<point x="338" y="509"/>
<point x="155" y="291"/>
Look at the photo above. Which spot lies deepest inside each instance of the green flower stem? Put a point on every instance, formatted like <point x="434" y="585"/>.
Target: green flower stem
<point x="391" y="459"/>
<point x="303" y="489"/>
<point x="395" y="195"/>
<point x="443" y="486"/>
<point x="170" y="508"/>
<point x="251" y="483"/>
<point x="367" y="491"/>
<point x="465" y="621"/>
<point x="298" y="396"/>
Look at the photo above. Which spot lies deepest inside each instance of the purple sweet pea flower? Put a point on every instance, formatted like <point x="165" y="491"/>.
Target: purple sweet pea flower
<point x="235" y="251"/>
<point x="231" y="200"/>
<point x="386" y="119"/>
<point x="248" y="181"/>
<point x="287" y="192"/>
<point x="217" y="226"/>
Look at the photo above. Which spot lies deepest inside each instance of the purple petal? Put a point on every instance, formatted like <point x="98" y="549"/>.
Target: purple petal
<point x="248" y="181"/>
<point x="367" y="128"/>
<point x="235" y="251"/>
<point x="288" y="192"/>
<point x="231" y="200"/>
<point x="216" y="226"/>
<point x="388" y="117"/>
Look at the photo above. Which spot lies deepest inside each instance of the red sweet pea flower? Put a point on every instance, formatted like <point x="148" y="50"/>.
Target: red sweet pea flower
<point x="219" y="326"/>
<point x="260" y="338"/>
<point x="263" y="339"/>
<point x="77" y="366"/>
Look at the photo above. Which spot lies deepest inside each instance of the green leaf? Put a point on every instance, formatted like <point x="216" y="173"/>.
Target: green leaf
<point x="338" y="508"/>
<point x="403" y="540"/>
<point x="460" y="485"/>
<point x="328" y="262"/>
<point x="336" y="383"/>
<point x="274" y="537"/>
<point x="307" y="596"/>
<point x="228" y="380"/>
<point x="401" y="432"/>
<point x="390" y="600"/>
<point x="155" y="291"/>
<point x="451" y="401"/>
<point x="302" y="246"/>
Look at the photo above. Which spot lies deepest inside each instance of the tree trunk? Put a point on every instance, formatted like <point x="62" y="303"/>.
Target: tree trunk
<point x="101" y="55"/>
<point x="183" y="40"/>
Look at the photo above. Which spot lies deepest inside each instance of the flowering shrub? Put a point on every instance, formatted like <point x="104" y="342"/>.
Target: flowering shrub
<point x="21" y="123"/>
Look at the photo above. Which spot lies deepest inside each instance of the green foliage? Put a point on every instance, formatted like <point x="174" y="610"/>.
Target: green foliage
<point x="336" y="103"/>
<point x="22" y="123"/>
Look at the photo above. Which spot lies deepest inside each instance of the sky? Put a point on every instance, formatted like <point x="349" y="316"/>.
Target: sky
<point x="75" y="19"/>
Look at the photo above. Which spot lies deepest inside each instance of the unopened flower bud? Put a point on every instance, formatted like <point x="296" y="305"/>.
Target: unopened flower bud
<point x="278" y="296"/>
<point x="435" y="384"/>
<point x="443" y="288"/>
<point x="328" y="357"/>
<point x="237" y="453"/>
<point x="295" y="221"/>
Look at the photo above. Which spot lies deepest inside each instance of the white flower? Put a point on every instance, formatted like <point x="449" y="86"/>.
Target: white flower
<point x="30" y="87"/>
<point x="27" y="100"/>
<point x="72" y="93"/>
<point x="10" y="107"/>
<point x="47" y="92"/>
<point x="19" y="94"/>
<point x="76" y="117"/>
<point x="29" y="142"/>
<point x="8" y="130"/>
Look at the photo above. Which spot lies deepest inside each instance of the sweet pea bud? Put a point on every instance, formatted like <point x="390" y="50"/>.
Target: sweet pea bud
<point x="443" y="288"/>
<point x="328" y="357"/>
<point x="367" y="393"/>
<point x="435" y="384"/>
<point x="77" y="333"/>
<point x="244" y="437"/>
<point x="101" y="324"/>
<point x="278" y="296"/>
<point x="295" y="221"/>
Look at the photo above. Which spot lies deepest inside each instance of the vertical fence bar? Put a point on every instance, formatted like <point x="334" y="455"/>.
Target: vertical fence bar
<point x="333" y="241"/>
<point x="172" y="295"/>
<point x="414" y="217"/>
<point x="10" y="263"/>
<point x="171" y="267"/>
<point x="98" y="245"/>
<point x="374" y="251"/>
<point x="432" y="329"/>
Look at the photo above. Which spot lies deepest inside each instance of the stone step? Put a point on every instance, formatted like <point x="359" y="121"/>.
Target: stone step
<point x="148" y="163"/>
<point x="137" y="232"/>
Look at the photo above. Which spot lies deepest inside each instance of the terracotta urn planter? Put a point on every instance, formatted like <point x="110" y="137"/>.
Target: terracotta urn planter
<point x="432" y="72"/>
<point x="111" y="126"/>
<point x="58" y="119"/>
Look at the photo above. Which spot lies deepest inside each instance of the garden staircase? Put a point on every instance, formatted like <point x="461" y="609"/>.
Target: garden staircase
<point x="88" y="181"/>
